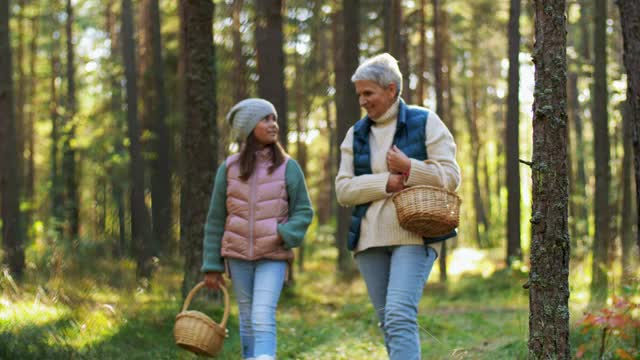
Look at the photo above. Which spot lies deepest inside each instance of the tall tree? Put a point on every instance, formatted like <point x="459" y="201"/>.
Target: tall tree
<point x="601" y="148"/>
<point x="550" y="246"/>
<point x="12" y="241"/>
<point x="117" y="188"/>
<point x="197" y="57"/>
<point x="30" y="168"/>
<point x="154" y="116"/>
<point x="437" y="56"/>
<point x="396" y="41"/>
<point x="140" y="229"/>
<point x="422" y="52"/>
<point x="512" y="136"/>
<point x="240" y="90"/>
<point x="69" y="175"/>
<point x="347" y="109"/>
<point x="630" y="19"/>
<point x="271" y="61"/>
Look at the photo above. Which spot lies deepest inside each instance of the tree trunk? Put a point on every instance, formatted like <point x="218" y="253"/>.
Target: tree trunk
<point x="437" y="57"/>
<point x="550" y="246"/>
<point x="347" y="109"/>
<point x="599" y="283"/>
<point x="630" y="19"/>
<point x="117" y="189"/>
<point x="240" y="91"/>
<point x="422" y="53"/>
<point x="71" y="204"/>
<point x="514" y="252"/>
<point x="56" y="181"/>
<point x="154" y="105"/>
<point x="199" y="131"/>
<point x="140" y="227"/>
<point x="12" y="240"/>
<point x="20" y="100"/>
<point x="271" y="61"/>
<point x="30" y="172"/>
<point x="626" y="212"/>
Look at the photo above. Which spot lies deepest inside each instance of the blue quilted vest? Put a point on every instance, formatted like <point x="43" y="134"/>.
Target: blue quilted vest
<point x="409" y="137"/>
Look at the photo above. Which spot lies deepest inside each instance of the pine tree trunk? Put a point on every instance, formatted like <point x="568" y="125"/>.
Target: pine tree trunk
<point x="20" y="100"/>
<point x="117" y="192"/>
<point x="437" y="56"/>
<point x="347" y="110"/>
<point x="154" y="115"/>
<point x="550" y="246"/>
<point x="12" y="240"/>
<point x="599" y="282"/>
<point x="140" y="226"/>
<point x="69" y="175"/>
<point x="240" y="91"/>
<point x="626" y="213"/>
<point x="422" y="53"/>
<point x="514" y="252"/>
<point x="630" y="19"/>
<point x="199" y="131"/>
<point x="30" y="172"/>
<point x="271" y="61"/>
<point x="56" y="181"/>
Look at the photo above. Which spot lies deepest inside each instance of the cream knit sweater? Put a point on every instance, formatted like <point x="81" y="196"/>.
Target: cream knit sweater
<point x="380" y="226"/>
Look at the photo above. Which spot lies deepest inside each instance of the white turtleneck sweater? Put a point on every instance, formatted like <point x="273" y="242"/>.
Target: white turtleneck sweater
<point x="380" y="225"/>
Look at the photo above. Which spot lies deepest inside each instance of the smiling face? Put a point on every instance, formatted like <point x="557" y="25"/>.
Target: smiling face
<point x="266" y="131"/>
<point x="374" y="98"/>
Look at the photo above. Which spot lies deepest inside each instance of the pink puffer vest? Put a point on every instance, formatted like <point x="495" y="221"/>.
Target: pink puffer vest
<point x="255" y="208"/>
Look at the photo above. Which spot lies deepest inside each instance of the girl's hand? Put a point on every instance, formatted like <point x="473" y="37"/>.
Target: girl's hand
<point x="213" y="280"/>
<point x="397" y="161"/>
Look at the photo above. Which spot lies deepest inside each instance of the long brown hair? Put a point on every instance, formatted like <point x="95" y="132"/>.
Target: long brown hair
<point x="248" y="156"/>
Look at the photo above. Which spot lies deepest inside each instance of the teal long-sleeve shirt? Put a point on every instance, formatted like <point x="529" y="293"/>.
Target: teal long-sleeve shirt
<point x="292" y="232"/>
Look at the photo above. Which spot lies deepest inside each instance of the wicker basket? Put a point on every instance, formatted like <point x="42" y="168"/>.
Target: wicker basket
<point x="426" y="210"/>
<point x="196" y="332"/>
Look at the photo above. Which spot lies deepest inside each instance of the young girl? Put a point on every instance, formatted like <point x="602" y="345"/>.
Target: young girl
<point x="259" y="211"/>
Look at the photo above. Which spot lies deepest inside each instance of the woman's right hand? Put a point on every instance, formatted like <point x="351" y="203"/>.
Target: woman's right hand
<point x="213" y="280"/>
<point x="395" y="183"/>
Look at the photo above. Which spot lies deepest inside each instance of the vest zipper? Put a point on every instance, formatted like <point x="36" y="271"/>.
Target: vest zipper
<point x="252" y="203"/>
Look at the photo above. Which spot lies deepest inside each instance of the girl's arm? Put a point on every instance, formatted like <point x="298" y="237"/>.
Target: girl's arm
<point x="355" y="190"/>
<point x="214" y="227"/>
<point x="300" y="210"/>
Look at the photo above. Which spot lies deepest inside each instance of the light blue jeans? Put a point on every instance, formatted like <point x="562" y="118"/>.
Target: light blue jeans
<point x="257" y="286"/>
<point x="395" y="277"/>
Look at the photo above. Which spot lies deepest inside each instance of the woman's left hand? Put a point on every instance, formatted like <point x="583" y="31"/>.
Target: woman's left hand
<point x="397" y="161"/>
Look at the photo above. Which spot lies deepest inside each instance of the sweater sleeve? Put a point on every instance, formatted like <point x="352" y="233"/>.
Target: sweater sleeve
<point x="300" y="210"/>
<point x="214" y="226"/>
<point x="441" y="148"/>
<point x="354" y="190"/>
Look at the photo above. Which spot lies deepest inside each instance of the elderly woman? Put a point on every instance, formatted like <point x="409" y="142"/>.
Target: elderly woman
<point x="393" y="147"/>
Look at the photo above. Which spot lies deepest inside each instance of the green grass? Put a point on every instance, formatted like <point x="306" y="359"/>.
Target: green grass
<point x="477" y="315"/>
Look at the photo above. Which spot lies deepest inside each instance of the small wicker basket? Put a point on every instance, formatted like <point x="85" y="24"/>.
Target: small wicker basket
<point x="426" y="210"/>
<point x="196" y="332"/>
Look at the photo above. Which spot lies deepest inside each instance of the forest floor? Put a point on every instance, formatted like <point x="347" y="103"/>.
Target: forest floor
<point x="97" y="312"/>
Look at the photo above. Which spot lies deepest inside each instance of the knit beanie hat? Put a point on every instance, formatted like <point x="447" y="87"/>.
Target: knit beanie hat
<point x="246" y="114"/>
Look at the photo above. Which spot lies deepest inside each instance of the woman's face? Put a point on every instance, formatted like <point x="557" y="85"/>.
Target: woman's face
<point x="374" y="98"/>
<point x="266" y="131"/>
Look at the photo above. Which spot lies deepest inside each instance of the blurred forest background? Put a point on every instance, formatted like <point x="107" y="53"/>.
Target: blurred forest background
<point x="112" y="126"/>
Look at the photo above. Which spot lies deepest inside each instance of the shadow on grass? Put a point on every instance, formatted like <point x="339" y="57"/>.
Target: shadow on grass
<point x="37" y="341"/>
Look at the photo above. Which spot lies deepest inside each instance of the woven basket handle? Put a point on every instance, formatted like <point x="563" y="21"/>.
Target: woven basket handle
<point x="440" y="171"/>
<point x="199" y="286"/>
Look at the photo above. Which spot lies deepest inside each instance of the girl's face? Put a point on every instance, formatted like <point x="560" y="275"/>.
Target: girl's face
<point x="375" y="99"/>
<point x="266" y="131"/>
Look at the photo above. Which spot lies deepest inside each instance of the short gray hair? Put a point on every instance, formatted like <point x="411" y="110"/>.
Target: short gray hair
<point x="382" y="69"/>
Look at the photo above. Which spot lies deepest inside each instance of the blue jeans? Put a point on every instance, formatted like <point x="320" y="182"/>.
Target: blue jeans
<point x="257" y="286"/>
<point x="395" y="277"/>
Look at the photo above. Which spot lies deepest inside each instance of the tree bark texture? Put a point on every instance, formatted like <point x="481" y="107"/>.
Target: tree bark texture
<point x="630" y="19"/>
<point x="140" y="225"/>
<point x="199" y="131"/>
<point x="12" y="241"/>
<point x="271" y="61"/>
<point x="550" y="246"/>
<point x="514" y="252"/>
<point x="599" y="282"/>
